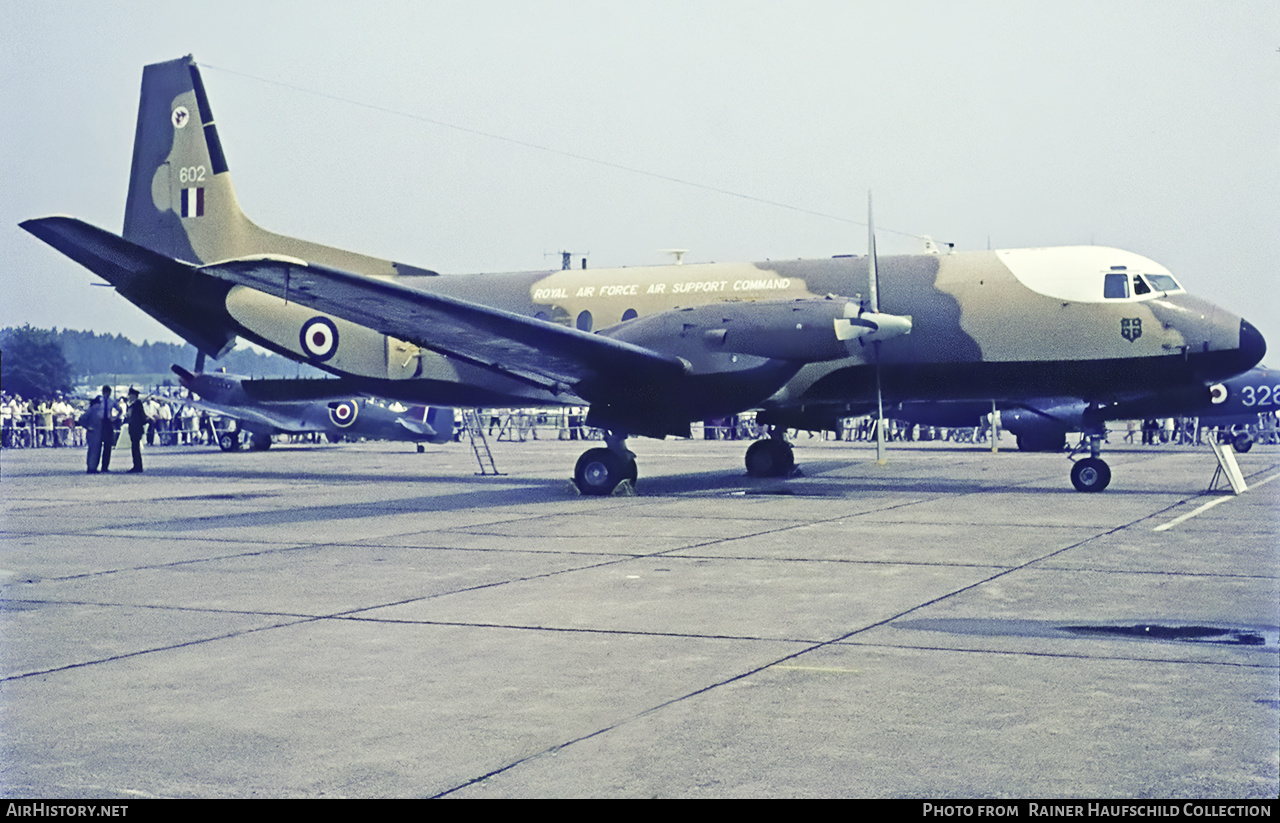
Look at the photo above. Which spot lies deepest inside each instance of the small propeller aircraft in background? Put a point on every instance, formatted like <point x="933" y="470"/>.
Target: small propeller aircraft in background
<point x="649" y="349"/>
<point x="264" y="408"/>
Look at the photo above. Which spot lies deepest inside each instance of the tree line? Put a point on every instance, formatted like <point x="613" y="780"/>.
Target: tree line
<point x="41" y="362"/>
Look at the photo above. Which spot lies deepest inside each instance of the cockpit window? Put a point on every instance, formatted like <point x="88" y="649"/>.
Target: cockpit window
<point x="1115" y="286"/>
<point x="1140" y="286"/>
<point x="1163" y="282"/>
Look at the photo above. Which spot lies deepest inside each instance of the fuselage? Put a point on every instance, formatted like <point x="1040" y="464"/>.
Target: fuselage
<point x="992" y="325"/>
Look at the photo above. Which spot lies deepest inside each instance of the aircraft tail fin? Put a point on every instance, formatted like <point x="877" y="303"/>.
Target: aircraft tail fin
<point x="441" y="419"/>
<point x="181" y="201"/>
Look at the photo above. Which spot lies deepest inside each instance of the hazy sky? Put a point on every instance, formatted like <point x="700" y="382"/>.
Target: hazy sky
<point x="1150" y="126"/>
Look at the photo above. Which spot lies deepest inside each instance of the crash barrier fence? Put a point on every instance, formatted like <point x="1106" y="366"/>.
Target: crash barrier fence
<point x="35" y="433"/>
<point x="518" y="425"/>
<point x="532" y="424"/>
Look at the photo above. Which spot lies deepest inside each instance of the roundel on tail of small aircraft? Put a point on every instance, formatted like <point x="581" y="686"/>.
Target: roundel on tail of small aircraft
<point x="319" y="338"/>
<point x="1217" y="394"/>
<point x="343" y="413"/>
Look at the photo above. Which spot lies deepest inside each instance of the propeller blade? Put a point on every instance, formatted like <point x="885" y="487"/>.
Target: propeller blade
<point x="873" y="286"/>
<point x="873" y="276"/>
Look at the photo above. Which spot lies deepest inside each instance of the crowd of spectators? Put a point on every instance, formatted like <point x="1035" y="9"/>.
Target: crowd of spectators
<point x="53" y="422"/>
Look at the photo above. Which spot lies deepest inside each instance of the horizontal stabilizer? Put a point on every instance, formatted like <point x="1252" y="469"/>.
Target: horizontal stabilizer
<point x="162" y="287"/>
<point x="418" y="427"/>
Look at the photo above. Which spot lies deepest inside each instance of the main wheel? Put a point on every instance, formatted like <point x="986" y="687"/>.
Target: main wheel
<point x="229" y="441"/>
<point x="770" y="458"/>
<point x="1242" y="443"/>
<point x="1090" y="475"/>
<point x="259" y="442"/>
<point x="599" y="471"/>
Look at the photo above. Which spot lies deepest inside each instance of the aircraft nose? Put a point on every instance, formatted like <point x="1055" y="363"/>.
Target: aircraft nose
<point x="1252" y="346"/>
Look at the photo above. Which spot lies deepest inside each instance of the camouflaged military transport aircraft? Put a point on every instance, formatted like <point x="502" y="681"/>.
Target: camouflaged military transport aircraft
<point x="649" y="349"/>
<point x="263" y="408"/>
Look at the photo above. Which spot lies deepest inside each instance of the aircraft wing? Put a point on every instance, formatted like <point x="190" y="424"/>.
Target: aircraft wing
<point x="535" y="351"/>
<point x="252" y="417"/>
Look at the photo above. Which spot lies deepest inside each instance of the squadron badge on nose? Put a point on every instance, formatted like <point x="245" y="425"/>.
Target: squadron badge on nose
<point x="1131" y="328"/>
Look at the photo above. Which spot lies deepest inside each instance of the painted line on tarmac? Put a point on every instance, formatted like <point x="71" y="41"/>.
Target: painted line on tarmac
<point x="1204" y="508"/>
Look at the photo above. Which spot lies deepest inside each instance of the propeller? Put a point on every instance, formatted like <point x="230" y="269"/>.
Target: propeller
<point x="873" y="292"/>
<point x="887" y="326"/>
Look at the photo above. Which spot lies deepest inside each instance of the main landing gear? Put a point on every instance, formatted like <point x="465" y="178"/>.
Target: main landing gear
<point x="773" y="457"/>
<point x="1091" y="474"/>
<point x="599" y="471"/>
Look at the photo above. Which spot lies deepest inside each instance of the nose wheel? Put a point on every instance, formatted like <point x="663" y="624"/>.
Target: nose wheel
<point x="1091" y="474"/>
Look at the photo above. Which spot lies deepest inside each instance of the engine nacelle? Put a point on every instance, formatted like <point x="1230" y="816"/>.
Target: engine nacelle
<point x="728" y="336"/>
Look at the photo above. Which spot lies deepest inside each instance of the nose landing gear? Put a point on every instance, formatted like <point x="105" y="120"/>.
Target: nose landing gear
<point x="1091" y="474"/>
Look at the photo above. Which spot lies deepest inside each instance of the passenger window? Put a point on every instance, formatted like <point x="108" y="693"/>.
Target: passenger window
<point x="584" y="321"/>
<point x="1116" y="286"/>
<point x="1140" y="286"/>
<point x="629" y="314"/>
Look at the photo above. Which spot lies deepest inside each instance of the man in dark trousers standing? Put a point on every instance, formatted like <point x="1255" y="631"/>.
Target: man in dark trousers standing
<point x="137" y="427"/>
<point x="100" y="431"/>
